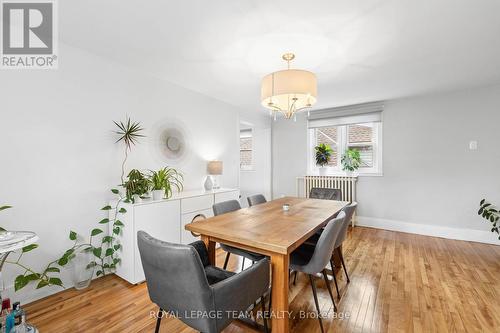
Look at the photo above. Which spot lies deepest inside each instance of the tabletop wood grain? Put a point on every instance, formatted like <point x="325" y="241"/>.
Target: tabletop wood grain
<point x="266" y="228"/>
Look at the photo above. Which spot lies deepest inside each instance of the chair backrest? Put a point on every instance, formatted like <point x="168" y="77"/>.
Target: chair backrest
<point x="349" y="212"/>
<point x="256" y="200"/>
<point x="325" y="245"/>
<point x="176" y="279"/>
<point x="326" y="193"/>
<point x="226" y="207"/>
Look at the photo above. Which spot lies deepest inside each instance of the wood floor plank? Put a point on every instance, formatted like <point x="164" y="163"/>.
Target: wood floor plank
<point x="399" y="283"/>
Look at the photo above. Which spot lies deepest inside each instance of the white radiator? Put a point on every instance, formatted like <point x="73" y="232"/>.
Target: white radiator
<point x="347" y="185"/>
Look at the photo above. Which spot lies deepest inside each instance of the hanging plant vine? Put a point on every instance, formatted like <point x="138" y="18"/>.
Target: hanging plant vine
<point x="47" y="277"/>
<point x="104" y="249"/>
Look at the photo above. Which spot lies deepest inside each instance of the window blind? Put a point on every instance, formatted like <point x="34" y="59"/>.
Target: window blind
<point x="246" y="133"/>
<point x="347" y="115"/>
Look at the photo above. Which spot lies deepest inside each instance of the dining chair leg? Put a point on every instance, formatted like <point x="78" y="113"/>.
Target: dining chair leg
<point x="227" y="260"/>
<point x="313" y="286"/>
<point x="158" y="320"/>
<point x="243" y="264"/>
<point x="335" y="279"/>
<point x="343" y="263"/>
<point x="295" y="278"/>
<point x="327" y="282"/>
<point x="264" y="319"/>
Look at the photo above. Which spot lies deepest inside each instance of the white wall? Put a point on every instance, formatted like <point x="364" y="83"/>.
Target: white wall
<point x="432" y="182"/>
<point x="258" y="180"/>
<point x="58" y="156"/>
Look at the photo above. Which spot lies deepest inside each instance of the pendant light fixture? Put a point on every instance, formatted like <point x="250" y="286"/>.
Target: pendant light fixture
<point x="289" y="91"/>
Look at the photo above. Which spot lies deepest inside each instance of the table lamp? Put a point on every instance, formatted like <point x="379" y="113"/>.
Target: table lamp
<point x="214" y="168"/>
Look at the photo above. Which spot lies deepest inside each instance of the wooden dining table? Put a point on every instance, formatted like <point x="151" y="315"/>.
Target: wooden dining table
<point x="270" y="230"/>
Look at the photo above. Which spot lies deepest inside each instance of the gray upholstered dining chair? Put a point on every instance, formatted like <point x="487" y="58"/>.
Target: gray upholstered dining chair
<point x="325" y="193"/>
<point x="312" y="259"/>
<point x="349" y="212"/>
<point x="226" y="207"/>
<point x="181" y="281"/>
<point x="256" y="199"/>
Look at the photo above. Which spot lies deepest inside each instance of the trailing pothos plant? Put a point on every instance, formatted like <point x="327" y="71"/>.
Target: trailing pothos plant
<point x="491" y="214"/>
<point x="105" y="248"/>
<point x="46" y="277"/>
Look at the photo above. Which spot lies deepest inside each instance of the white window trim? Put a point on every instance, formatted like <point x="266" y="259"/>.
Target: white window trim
<point x="248" y="168"/>
<point x="376" y="170"/>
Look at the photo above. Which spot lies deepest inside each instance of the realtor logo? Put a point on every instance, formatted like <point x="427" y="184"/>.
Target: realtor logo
<point x="28" y="34"/>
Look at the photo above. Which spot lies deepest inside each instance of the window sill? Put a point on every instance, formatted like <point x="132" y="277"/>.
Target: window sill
<point x="343" y="174"/>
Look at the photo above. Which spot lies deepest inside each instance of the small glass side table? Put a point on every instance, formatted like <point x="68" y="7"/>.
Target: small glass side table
<point x="11" y="241"/>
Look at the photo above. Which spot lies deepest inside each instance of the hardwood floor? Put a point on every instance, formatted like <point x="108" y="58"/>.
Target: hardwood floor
<point x="399" y="283"/>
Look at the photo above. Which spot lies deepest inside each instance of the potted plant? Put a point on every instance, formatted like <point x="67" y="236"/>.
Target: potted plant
<point x="323" y="154"/>
<point x="351" y="160"/>
<point x="136" y="186"/>
<point x="129" y="133"/>
<point x="491" y="214"/>
<point x="163" y="181"/>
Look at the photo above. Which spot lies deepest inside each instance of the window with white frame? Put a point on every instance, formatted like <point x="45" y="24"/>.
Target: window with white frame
<point x="361" y="132"/>
<point x="246" y="149"/>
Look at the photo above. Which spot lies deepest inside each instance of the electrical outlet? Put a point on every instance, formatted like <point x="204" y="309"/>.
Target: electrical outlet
<point x="473" y="145"/>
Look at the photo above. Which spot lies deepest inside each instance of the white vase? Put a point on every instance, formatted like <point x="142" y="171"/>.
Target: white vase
<point x="322" y="171"/>
<point x="209" y="184"/>
<point x="158" y="194"/>
<point x="81" y="271"/>
<point x="137" y="198"/>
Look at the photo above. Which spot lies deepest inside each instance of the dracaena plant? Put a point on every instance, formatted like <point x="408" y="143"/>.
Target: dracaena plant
<point x="129" y="133"/>
<point x="323" y="154"/>
<point x="47" y="277"/>
<point x="166" y="179"/>
<point x="491" y="214"/>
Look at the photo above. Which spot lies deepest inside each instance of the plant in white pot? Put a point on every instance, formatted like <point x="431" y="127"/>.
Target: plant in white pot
<point x="351" y="161"/>
<point x="323" y="154"/>
<point x="163" y="181"/>
<point x="136" y="186"/>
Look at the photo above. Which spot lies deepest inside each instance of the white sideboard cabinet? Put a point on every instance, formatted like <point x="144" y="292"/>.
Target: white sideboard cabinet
<point x="165" y="220"/>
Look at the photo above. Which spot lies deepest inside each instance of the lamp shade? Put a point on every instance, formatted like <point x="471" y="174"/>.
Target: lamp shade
<point x="214" y="167"/>
<point x="279" y="89"/>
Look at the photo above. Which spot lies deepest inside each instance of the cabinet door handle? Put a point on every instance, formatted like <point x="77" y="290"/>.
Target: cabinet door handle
<point x="197" y="218"/>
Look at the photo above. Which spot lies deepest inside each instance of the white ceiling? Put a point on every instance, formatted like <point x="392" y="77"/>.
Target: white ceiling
<point x="361" y="50"/>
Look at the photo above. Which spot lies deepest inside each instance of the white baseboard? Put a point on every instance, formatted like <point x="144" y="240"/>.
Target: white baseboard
<point x="429" y="230"/>
<point x="29" y="294"/>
